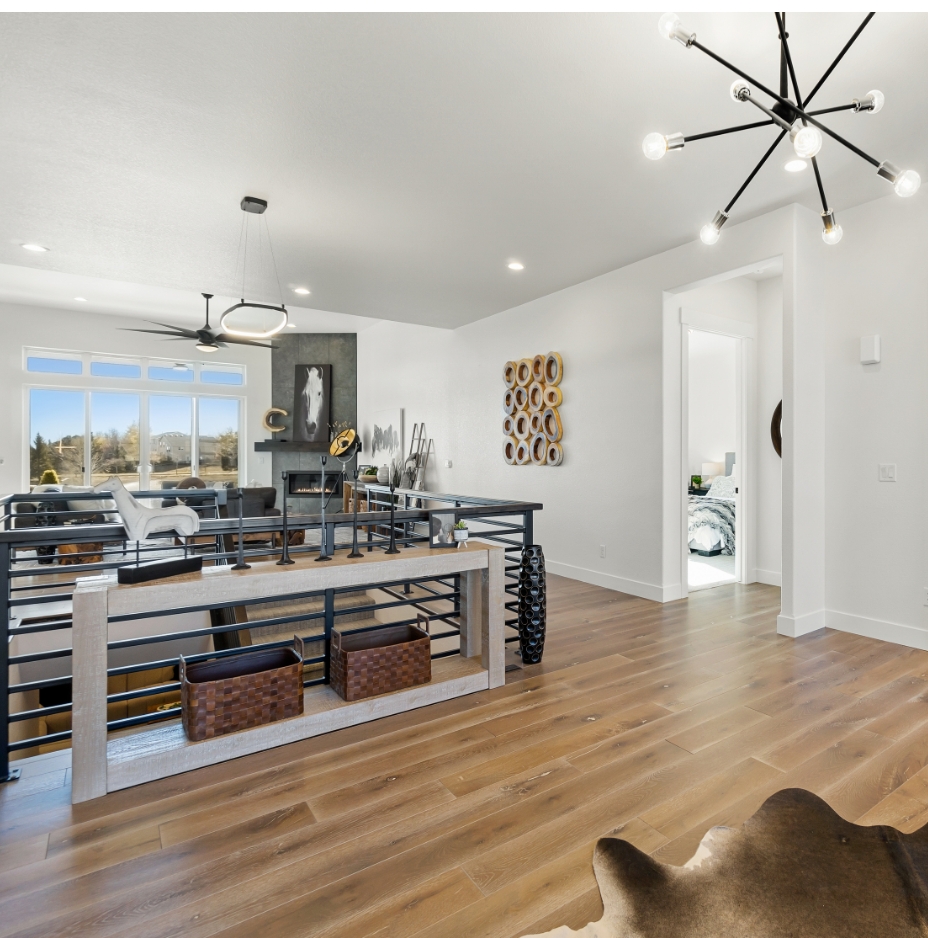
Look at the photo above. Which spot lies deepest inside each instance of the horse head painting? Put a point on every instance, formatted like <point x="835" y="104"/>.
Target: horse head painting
<point x="312" y="396"/>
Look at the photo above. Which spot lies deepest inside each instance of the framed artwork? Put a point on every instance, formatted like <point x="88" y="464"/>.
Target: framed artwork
<point x="441" y="529"/>
<point x="387" y="437"/>
<point x="312" y="403"/>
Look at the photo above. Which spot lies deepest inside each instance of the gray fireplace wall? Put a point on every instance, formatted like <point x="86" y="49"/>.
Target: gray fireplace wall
<point x="340" y="350"/>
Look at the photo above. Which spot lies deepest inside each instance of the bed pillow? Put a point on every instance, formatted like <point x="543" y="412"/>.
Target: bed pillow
<point x="722" y="487"/>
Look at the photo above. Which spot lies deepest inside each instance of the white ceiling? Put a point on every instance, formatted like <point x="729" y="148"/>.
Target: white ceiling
<point x="408" y="158"/>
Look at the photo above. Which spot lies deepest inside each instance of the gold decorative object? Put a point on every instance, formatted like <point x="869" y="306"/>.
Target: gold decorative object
<point x="532" y="427"/>
<point x="269" y="414"/>
<point x="343" y="442"/>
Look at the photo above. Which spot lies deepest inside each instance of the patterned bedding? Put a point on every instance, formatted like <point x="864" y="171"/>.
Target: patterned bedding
<point x="714" y="517"/>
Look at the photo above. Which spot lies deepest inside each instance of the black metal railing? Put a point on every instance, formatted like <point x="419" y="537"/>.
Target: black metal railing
<point x="36" y="591"/>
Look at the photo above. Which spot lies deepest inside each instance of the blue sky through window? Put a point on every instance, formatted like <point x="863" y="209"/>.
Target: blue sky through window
<point x="55" y="414"/>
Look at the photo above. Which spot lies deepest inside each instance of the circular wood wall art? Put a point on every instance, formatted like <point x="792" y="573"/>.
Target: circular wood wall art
<point x="551" y="424"/>
<point x="553" y="396"/>
<point x="554" y="368"/>
<point x="536" y="396"/>
<point x="509" y="450"/>
<point x="534" y="422"/>
<point x="521" y="425"/>
<point x="555" y="454"/>
<point x="523" y="454"/>
<point x="508" y="425"/>
<point x="509" y="374"/>
<point x="520" y="396"/>
<point x="269" y="416"/>
<point x="509" y="401"/>
<point x="776" y="429"/>
<point x="539" y="449"/>
<point x="524" y="372"/>
<point x="538" y="368"/>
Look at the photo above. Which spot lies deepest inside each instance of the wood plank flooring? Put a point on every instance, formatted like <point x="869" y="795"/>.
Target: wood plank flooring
<point x="478" y="816"/>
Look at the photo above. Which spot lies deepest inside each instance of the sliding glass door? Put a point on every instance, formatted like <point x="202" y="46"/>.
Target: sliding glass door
<point x="56" y="435"/>
<point x="114" y="438"/>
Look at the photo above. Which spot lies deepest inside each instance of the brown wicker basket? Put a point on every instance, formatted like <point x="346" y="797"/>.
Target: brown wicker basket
<point x="240" y="691"/>
<point x="372" y="663"/>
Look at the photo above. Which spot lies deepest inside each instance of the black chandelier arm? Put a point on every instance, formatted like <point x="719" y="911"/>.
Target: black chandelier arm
<point x="775" y="118"/>
<point x="840" y="56"/>
<point x="781" y="25"/>
<point x="832" y="110"/>
<point x="755" y="171"/>
<point x="818" y="181"/>
<point x="729" y="130"/>
<point x="786" y="101"/>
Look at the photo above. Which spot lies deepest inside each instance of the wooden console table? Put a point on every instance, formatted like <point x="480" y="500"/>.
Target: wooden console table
<point x="103" y="763"/>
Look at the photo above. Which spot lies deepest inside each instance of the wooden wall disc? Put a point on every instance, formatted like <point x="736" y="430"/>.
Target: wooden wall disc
<point x="535" y="422"/>
<point x="523" y="454"/>
<point x="521" y="425"/>
<point x="536" y="396"/>
<point x="520" y="396"/>
<point x="555" y="454"/>
<point x="509" y="401"/>
<point x="508" y="425"/>
<point x="538" y="368"/>
<point x="551" y="424"/>
<point x="553" y="396"/>
<point x="539" y="449"/>
<point x="509" y="450"/>
<point x="509" y="374"/>
<point x="554" y="368"/>
<point x="524" y="372"/>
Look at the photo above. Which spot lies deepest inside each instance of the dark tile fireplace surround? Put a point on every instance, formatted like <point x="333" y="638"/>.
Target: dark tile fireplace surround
<point x="340" y="350"/>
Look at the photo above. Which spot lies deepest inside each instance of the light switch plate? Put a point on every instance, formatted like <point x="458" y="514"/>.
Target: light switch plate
<point x="887" y="472"/>
<point x="870" y="350"/>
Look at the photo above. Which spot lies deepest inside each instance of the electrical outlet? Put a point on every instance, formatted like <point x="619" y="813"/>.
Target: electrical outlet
<point x="447" y="463"/>
<point x="887" y="472"/>
<point x="602" y="551"/>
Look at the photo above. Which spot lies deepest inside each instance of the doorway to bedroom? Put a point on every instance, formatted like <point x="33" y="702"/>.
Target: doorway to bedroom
<point x="713" y="437"/>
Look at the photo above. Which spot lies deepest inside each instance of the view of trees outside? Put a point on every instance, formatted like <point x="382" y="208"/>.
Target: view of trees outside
<point x="57" y="437"/>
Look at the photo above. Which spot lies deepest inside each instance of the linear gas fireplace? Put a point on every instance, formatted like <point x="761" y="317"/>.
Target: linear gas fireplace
<point x="310" y="483"/>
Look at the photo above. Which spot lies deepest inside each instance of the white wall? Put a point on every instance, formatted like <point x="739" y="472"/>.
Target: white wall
<point x="769" y="503"/>
<point x="60" y="329"/>
<point x="713" y="390"/>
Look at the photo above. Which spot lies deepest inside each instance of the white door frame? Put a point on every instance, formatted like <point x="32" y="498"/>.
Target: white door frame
<point x="745" y="437"/>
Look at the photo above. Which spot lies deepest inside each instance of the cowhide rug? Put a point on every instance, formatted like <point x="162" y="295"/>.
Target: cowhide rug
<point x="794" y="870"/>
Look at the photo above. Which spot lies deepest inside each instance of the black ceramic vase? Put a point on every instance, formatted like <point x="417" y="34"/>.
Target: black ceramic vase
<point x="532" y="604"/>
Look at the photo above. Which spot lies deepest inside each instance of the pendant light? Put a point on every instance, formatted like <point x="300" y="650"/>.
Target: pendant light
<point x="253" y="206"/>
<point x="792" y="117"/>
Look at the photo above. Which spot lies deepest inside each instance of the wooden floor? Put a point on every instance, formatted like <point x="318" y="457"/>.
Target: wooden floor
<point x="477" y="817"/>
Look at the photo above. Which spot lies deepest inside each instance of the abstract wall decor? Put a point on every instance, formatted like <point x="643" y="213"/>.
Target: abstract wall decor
<point x="312" y="401"/>
<point x="532" y="428"/>
<point x="387" y="436"/>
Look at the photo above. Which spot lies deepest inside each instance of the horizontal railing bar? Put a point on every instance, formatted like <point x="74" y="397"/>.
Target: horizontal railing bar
<point x="142" y="718"/>
<point x="40" y="656"/>
<point x="39" y="685"/>
<point x="42" y="627"/>
<point x="35" y="714"/>
<point x="39" y="741"/>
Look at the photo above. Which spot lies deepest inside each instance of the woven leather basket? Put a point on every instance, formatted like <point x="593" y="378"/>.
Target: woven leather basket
<point x="240" y="691"/>
<point x="373" y="663"/>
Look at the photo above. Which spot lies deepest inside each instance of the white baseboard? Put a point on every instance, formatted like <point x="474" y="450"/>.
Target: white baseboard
<point x="794" y="626"/>
<point x="909" y="635"/>
<point x="659" y="594"/>
<point x="770" y="577"/>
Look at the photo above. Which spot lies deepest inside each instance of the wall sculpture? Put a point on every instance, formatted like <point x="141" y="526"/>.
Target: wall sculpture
<point x="532" y="429"/>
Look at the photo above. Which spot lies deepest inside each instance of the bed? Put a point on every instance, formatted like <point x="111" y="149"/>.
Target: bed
<point x="711" y="524"/>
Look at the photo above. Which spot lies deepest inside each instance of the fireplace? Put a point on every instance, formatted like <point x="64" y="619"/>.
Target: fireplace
<point x="310" y="483"/>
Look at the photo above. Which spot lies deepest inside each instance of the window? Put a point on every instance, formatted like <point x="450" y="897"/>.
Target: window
<point x="56" y="435"/>
<point x="114" y="438"/>
<point x="222" y="374"/>
<point x="53" y="365"/>
<point x="170" y="451"/>
<point x="217" y="439"/>
<point x="178" y="372"/>
<point x="112" y="368"/>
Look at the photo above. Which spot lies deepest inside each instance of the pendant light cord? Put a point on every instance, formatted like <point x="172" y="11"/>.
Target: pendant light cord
<point x="270" y="244"/>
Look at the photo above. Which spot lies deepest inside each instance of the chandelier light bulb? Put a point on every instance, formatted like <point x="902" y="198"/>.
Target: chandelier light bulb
<point x="832" y="232"/>
<point x="807" y="141"/>
<point x="709" y="234"/>
<point x="739" y="90"/>
<point x="654" y="146"/>
<point x="795" y="166"/>
<point x="907" y="183"/>
<point x="667" y="24"/>
<point x="876" y="99"/>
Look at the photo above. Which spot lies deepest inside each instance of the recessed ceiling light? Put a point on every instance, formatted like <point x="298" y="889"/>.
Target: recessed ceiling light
<point x="34" y="247"/>
<point x="795" y="166"/>
<point x="79" y="299"/>
<point x="515" y="265"/>
<point x="291" y="325"/>
<point x="301" y="290"/>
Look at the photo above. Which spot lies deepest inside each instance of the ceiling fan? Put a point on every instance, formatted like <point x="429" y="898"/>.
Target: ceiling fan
<point x="207" y="340"/>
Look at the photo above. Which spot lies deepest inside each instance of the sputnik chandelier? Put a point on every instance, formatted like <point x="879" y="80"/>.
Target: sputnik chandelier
<point x="792" y="117"/>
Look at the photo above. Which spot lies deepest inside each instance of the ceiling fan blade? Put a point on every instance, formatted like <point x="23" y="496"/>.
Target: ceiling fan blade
<point x="176" y="335"/>
<point x="234" y="340"/>
<point x="189" y="333"/>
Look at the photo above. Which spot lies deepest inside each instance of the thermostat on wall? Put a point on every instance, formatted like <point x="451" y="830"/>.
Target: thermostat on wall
<point x="870" y="350"/>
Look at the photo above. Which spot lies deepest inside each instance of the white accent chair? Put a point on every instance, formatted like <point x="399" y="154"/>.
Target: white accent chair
<point x="141" y="522"/>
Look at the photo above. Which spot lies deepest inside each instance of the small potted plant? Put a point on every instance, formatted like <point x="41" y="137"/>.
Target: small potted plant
<point x="461" y="532"/>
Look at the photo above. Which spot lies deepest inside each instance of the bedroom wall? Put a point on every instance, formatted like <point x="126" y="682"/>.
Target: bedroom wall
<point x="621" y="382"/>
<point x="63" y="329"/>
<point x="713" y="389"/>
